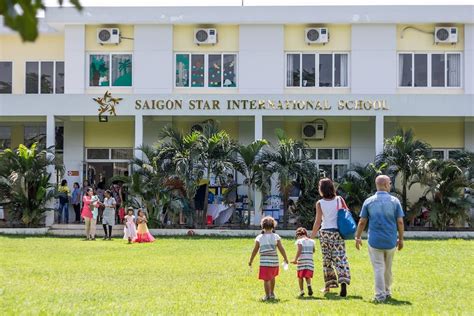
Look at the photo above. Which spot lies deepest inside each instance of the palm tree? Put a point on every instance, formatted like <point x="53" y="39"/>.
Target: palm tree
<point x="248" y="162"/>
<point x="25" y="186"/>
<point x="182" y="156"/>
<point x="402" y="153"/>
<point x="310" y="195"/>
<point x="444" y="194"/>
<point x="288" y="162"/>
<point x="147" y="183"/>
<point x="358" y="183"/>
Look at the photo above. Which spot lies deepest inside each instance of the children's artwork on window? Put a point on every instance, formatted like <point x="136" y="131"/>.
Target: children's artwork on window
<point x="99" y="70"/>
<point x="197" y="70"/>
<point x="122" y="70"/>
<point x="215" y="71"/>
<point x="182" y="70"/>
<point x="229" y="71"/>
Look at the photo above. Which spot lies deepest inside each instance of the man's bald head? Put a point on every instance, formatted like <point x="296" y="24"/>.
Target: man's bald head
<point x="383" y="183"/>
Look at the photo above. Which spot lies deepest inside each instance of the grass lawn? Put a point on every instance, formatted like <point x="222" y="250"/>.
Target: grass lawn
<point x="210" y="276"/>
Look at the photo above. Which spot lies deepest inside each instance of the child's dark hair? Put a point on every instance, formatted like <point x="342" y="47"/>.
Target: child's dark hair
<point x="268" y="222"/>
<point x="140" y="211"/>
<point x="301" y="231"/>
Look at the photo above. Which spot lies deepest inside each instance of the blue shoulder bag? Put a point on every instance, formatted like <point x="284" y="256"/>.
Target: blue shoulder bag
<point x="345" y="222"/>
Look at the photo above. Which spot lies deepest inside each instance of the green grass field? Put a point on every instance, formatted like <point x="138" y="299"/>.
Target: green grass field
<point x="210" y="276"/>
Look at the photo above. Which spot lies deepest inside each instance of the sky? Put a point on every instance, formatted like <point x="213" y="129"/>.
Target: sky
<point x="91" y="3"/>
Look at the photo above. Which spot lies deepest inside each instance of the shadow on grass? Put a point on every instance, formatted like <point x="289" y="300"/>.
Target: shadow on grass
<point x="336" y="297"/>
<point x="393" y="301"/>
<point x="309" y="298"/>
<point x="273" y="301"/>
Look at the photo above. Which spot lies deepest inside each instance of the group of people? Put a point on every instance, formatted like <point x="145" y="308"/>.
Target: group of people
<point x="95" y="204"/>
<point x="382" y="212"/>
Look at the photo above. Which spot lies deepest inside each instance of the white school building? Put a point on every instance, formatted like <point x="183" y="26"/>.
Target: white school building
<point x="341" y="78"/>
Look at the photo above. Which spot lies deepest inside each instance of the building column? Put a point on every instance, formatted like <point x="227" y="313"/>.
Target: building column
<point x="258" y="195"/>
<point x="379" y="134"/>
<point x="74" y="59"/>
<point x="50" y="141"/>
<point x="469" y="134"/>
<point x="138" y="136"/>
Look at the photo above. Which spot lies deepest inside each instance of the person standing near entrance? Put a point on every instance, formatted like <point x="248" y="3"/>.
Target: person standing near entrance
<point x="76" y="201"/>
<point x="87" y="214"/>
<point x="385" y="216"/>
<point x="108" y="219"/>
<point x="64" y="194"/>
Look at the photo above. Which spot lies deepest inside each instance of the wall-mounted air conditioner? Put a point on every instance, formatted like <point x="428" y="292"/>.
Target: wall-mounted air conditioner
<point x="108" y="36"/>
<point x="205" y="36"/>
<point x="313" y="131"/>
<point x="446" y="34"/>
<point x="316" y="35"/>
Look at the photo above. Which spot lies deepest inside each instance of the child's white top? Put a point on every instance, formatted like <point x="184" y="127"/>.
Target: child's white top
<point x="305" y="260"/>
<point x="268" y="249"/>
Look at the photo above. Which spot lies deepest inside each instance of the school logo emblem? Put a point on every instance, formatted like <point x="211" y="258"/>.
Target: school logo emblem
<point x="107" y="105"/>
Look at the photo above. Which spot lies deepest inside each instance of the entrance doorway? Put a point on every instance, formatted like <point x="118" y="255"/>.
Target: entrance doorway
<point x="104" y="163"/>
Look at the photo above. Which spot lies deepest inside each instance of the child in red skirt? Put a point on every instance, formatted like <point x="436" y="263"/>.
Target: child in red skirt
<point x="268" y="242"/>
<point x="304" y="259"/>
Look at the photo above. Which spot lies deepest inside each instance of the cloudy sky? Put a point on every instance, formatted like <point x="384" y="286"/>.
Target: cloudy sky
<point x="257" y="2"/>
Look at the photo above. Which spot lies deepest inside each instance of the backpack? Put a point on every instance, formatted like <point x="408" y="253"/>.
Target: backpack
<point x="345" y="222"/>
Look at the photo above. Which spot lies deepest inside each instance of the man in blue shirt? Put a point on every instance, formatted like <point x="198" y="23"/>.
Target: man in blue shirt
<point x="385" y="216"/>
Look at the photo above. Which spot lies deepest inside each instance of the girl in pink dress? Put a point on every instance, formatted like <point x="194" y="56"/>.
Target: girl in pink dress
<point x="130" y="230"/>
<point x="143" y="235"/>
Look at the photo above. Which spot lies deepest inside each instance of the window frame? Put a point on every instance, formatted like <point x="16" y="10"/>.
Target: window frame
<point x="447" y="151"/>
<point x="9" y="139"/>
<point x="206" y="69"/>
<point x="39" y="75"/>
<point x="109" y="159"/>
<point x="429" y="72"/>
<point x="110" y="86"/>
<point x="316" y="79"/>
<point x="333" y="162"/>
<point x="13" y="72"/>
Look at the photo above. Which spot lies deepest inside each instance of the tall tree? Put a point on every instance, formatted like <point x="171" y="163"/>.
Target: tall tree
<point x="402" y="153"/>
<point x="287" y="161"/>
<point x="21" y="15"/>
<point x="25" y="186"/>
<point x="248" y="161"/>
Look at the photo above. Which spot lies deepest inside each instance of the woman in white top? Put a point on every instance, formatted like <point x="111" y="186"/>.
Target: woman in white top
<point x="109" y="214"/>
<point x="333" y="247"/>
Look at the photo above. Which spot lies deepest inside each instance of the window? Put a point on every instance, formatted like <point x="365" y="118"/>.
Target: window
<point x="107" y="70"/>
<point x="109" y="153"/>
<point x="44" y="77"/>
<point x="206" y="70"/>
<point x="6" y="68"/>
<point x="35" y="134"/>
<point x="429" y="70"/>
<point x="445" y="154"/>
<point x="331" y="70"/>
<point x="5" y="137"/>
<point x="332" y="162"/>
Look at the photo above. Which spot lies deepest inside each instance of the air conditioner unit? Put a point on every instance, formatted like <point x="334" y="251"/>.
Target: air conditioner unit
<point x="198" y="127"/>
<point x="205" y="36"/>
<point x="446" y="34"/>
<point x="108" y="36"/>
<point x="316" y="35"/>
<point x="313" y="131"/>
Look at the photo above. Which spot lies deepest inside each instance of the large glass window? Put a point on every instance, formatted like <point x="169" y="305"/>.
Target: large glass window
<point x="110" y="70"/>
<point x="429" y="70"/>
<point x="44" y="77"/>
<point x="332" y="162"/>
<point x="405" y="70"/>
<point x="35" y="134"/>
<point x="205" y="70"/>
<point x="6" y="69"/>
<point x="293" y="70"/>
<point x="331" y="70"/>
<point x="421" y="70"/>
<point x="437" y="70"/>
<point x="5" y="137"/>
<point x="32" y="71"/>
